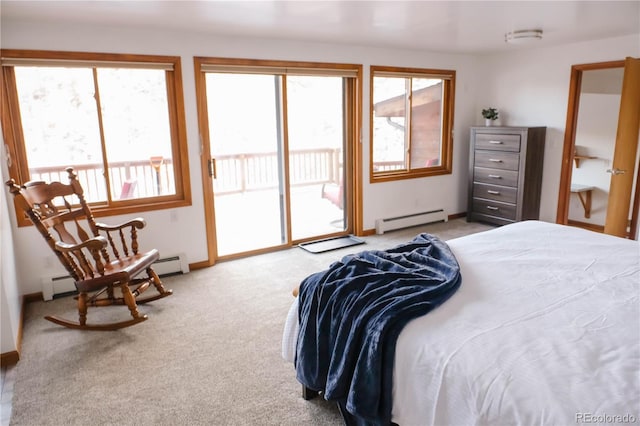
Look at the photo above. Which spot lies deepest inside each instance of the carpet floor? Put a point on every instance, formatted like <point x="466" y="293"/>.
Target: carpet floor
<point x="208" y="355"/>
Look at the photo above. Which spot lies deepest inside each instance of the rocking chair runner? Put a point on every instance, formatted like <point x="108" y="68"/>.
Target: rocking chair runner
<point x="100" y="261"/>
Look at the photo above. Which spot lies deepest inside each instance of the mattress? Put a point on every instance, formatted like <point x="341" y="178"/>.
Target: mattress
<point x="543" y="330"/>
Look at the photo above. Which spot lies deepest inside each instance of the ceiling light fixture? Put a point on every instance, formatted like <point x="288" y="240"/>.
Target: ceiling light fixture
<point x="523" y="36"/>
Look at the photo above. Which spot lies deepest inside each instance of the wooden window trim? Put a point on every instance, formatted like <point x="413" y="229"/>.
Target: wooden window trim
<point x="446" y="165"/>
<point x="14" y="140"/>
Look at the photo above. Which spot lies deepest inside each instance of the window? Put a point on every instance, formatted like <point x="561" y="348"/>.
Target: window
<point x="411" y="122"/>
<point x="116" y="119"/>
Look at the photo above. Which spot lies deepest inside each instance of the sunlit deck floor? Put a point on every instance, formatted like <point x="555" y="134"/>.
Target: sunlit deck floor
<point x="251" y="220"/>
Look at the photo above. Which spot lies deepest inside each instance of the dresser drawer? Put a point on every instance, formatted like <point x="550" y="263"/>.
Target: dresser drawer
<point x="498" y="142"/>
<point x="497" y="160"/>
<point x="493" y="208"/>
<point x="495" y="176"/>
<point x="493" y="192"/>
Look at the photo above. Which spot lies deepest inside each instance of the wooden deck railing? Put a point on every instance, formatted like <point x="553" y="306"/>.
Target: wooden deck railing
<point x="139" y="176"/>
<point x="387" y="166"/>
<point x="254" y="171"/>
<point x="235" y="173"/>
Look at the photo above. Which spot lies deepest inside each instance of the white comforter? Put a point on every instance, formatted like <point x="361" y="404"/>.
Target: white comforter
<point x="544" y="330"/>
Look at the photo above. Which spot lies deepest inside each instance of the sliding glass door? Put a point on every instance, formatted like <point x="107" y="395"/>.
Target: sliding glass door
<point x="246" y="130"/>
<point x="316" y="155"/>
<point x="277" y="143"/>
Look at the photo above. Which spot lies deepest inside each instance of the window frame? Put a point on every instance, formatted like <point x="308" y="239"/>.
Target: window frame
<point x="14" y="138"/>
<point x="447" y="114"/>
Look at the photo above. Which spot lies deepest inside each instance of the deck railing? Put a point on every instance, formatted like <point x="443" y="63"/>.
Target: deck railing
<point x="387" y="166"/>
<point x="234" y="173"/>
<point x="254" y="171"/>
<point x="129" y="179"/>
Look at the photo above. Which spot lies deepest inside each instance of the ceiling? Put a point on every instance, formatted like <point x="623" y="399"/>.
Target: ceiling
<point x="445" y="26"/>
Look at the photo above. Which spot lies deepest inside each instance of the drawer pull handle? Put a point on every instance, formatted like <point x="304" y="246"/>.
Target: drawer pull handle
<point x="493" y="192"/>
<point x="492" y="208"/>
<point x="496" y="142"/>
<point x="495" y="176"/>
<point x="495" y="160"/>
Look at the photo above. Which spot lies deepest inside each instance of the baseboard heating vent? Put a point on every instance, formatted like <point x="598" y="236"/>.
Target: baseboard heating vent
<point x="53" y="287"/>
<point x="172" y="265"/>
<point x="399" y="222"/>
<point x="57" y="286"/>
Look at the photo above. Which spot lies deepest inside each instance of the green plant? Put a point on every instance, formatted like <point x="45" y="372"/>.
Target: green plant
<point x="490" y="113"/>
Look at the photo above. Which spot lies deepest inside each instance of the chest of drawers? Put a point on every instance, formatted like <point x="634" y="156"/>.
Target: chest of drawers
<point x="505" y="173"/>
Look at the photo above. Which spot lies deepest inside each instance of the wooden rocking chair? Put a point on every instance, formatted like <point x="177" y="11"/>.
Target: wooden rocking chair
<point x="102" y="261"/>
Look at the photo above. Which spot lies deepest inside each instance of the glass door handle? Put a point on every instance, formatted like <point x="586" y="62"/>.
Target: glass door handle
<point x="212" y="167"/>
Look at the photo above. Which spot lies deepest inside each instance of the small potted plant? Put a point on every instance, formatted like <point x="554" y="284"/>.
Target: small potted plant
<point x="489" y="114"/>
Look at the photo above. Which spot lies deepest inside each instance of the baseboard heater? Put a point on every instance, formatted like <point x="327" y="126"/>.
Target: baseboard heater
<point x="399" y="222"/>
<point x="53" y="287"/>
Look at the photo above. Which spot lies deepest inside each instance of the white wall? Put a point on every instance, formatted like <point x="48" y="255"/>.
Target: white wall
<point x="185" y="233"/>
<point x="531" y="88"/>
<point x="10" y="293"/>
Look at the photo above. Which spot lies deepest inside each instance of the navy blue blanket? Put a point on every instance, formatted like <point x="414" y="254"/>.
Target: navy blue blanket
<point x="352" y="313"/>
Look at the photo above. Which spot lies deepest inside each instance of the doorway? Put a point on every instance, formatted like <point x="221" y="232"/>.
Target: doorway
<point x="277" y="141"/>
<point x="590" y="141"/>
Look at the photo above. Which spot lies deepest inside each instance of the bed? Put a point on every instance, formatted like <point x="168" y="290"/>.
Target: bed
<point x="544" y="329"/>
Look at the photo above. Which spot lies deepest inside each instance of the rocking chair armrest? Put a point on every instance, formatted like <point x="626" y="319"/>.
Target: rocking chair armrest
<point x="93" y="244"/>
<point x="138" y="223"/>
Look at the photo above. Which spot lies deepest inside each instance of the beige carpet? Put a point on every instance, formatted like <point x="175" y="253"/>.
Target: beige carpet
<point x="208" y="355"/>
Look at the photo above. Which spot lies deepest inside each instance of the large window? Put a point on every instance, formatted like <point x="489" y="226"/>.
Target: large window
<point x="116" y="119"/>
<point x="411" y="122"/>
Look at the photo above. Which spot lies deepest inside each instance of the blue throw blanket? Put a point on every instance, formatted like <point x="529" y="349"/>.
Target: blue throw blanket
<point x="352" y="313"/>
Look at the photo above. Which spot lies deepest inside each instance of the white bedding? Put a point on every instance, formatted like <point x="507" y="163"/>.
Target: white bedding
<point x="544" y="330"/>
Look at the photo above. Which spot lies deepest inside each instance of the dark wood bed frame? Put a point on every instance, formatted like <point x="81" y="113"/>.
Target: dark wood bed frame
<point x="308" y="394"/>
